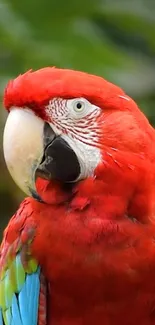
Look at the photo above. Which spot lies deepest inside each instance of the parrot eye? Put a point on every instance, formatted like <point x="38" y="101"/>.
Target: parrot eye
<point x="78" y="106"/>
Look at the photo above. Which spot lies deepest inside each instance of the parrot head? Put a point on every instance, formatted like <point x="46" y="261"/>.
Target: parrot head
<point x="68" y="126"/>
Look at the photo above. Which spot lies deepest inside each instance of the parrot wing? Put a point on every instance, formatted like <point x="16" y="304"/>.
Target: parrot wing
<point x="22" y="285"/>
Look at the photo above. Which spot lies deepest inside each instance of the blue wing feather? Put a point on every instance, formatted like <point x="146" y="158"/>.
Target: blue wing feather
<point x="29" y="299"/>
<point x="16" y="318"/>
<point x="35" y="284"/>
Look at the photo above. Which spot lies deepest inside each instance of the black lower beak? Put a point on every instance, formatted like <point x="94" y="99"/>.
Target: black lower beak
<point x="59" y="161"/>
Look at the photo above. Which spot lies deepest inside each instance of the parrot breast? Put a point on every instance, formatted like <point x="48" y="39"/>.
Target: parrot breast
<point x="98" y="267"/>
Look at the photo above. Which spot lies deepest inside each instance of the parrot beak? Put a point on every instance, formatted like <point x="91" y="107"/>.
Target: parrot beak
<point x="23" y="147"/>
<point x="32" y="149"/>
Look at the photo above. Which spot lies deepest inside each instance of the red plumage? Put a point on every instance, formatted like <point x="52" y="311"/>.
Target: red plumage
<point x="35" y="88"/>
<point x="95" y="243"/>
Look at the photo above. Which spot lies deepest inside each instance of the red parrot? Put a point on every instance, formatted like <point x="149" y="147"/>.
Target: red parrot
<point x="80" y="250"/>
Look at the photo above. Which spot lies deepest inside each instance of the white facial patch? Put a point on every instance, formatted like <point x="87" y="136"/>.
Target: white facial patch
<point x="76" y="121"/>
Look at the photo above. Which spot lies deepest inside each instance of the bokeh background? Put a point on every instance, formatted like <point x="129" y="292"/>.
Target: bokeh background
<point x="113" y="38"/>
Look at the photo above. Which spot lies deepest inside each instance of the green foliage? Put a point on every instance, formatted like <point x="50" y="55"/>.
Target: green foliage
<point x="114" y="39"/>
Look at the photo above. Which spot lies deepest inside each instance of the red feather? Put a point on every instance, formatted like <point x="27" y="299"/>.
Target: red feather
<point x="40" y="86"/>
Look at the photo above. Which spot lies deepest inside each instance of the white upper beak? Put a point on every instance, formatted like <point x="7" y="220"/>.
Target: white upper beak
<point x="23" y="146"/>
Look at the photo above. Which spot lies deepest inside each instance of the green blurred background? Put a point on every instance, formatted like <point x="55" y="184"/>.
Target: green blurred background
<point x="114" y="39"/>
